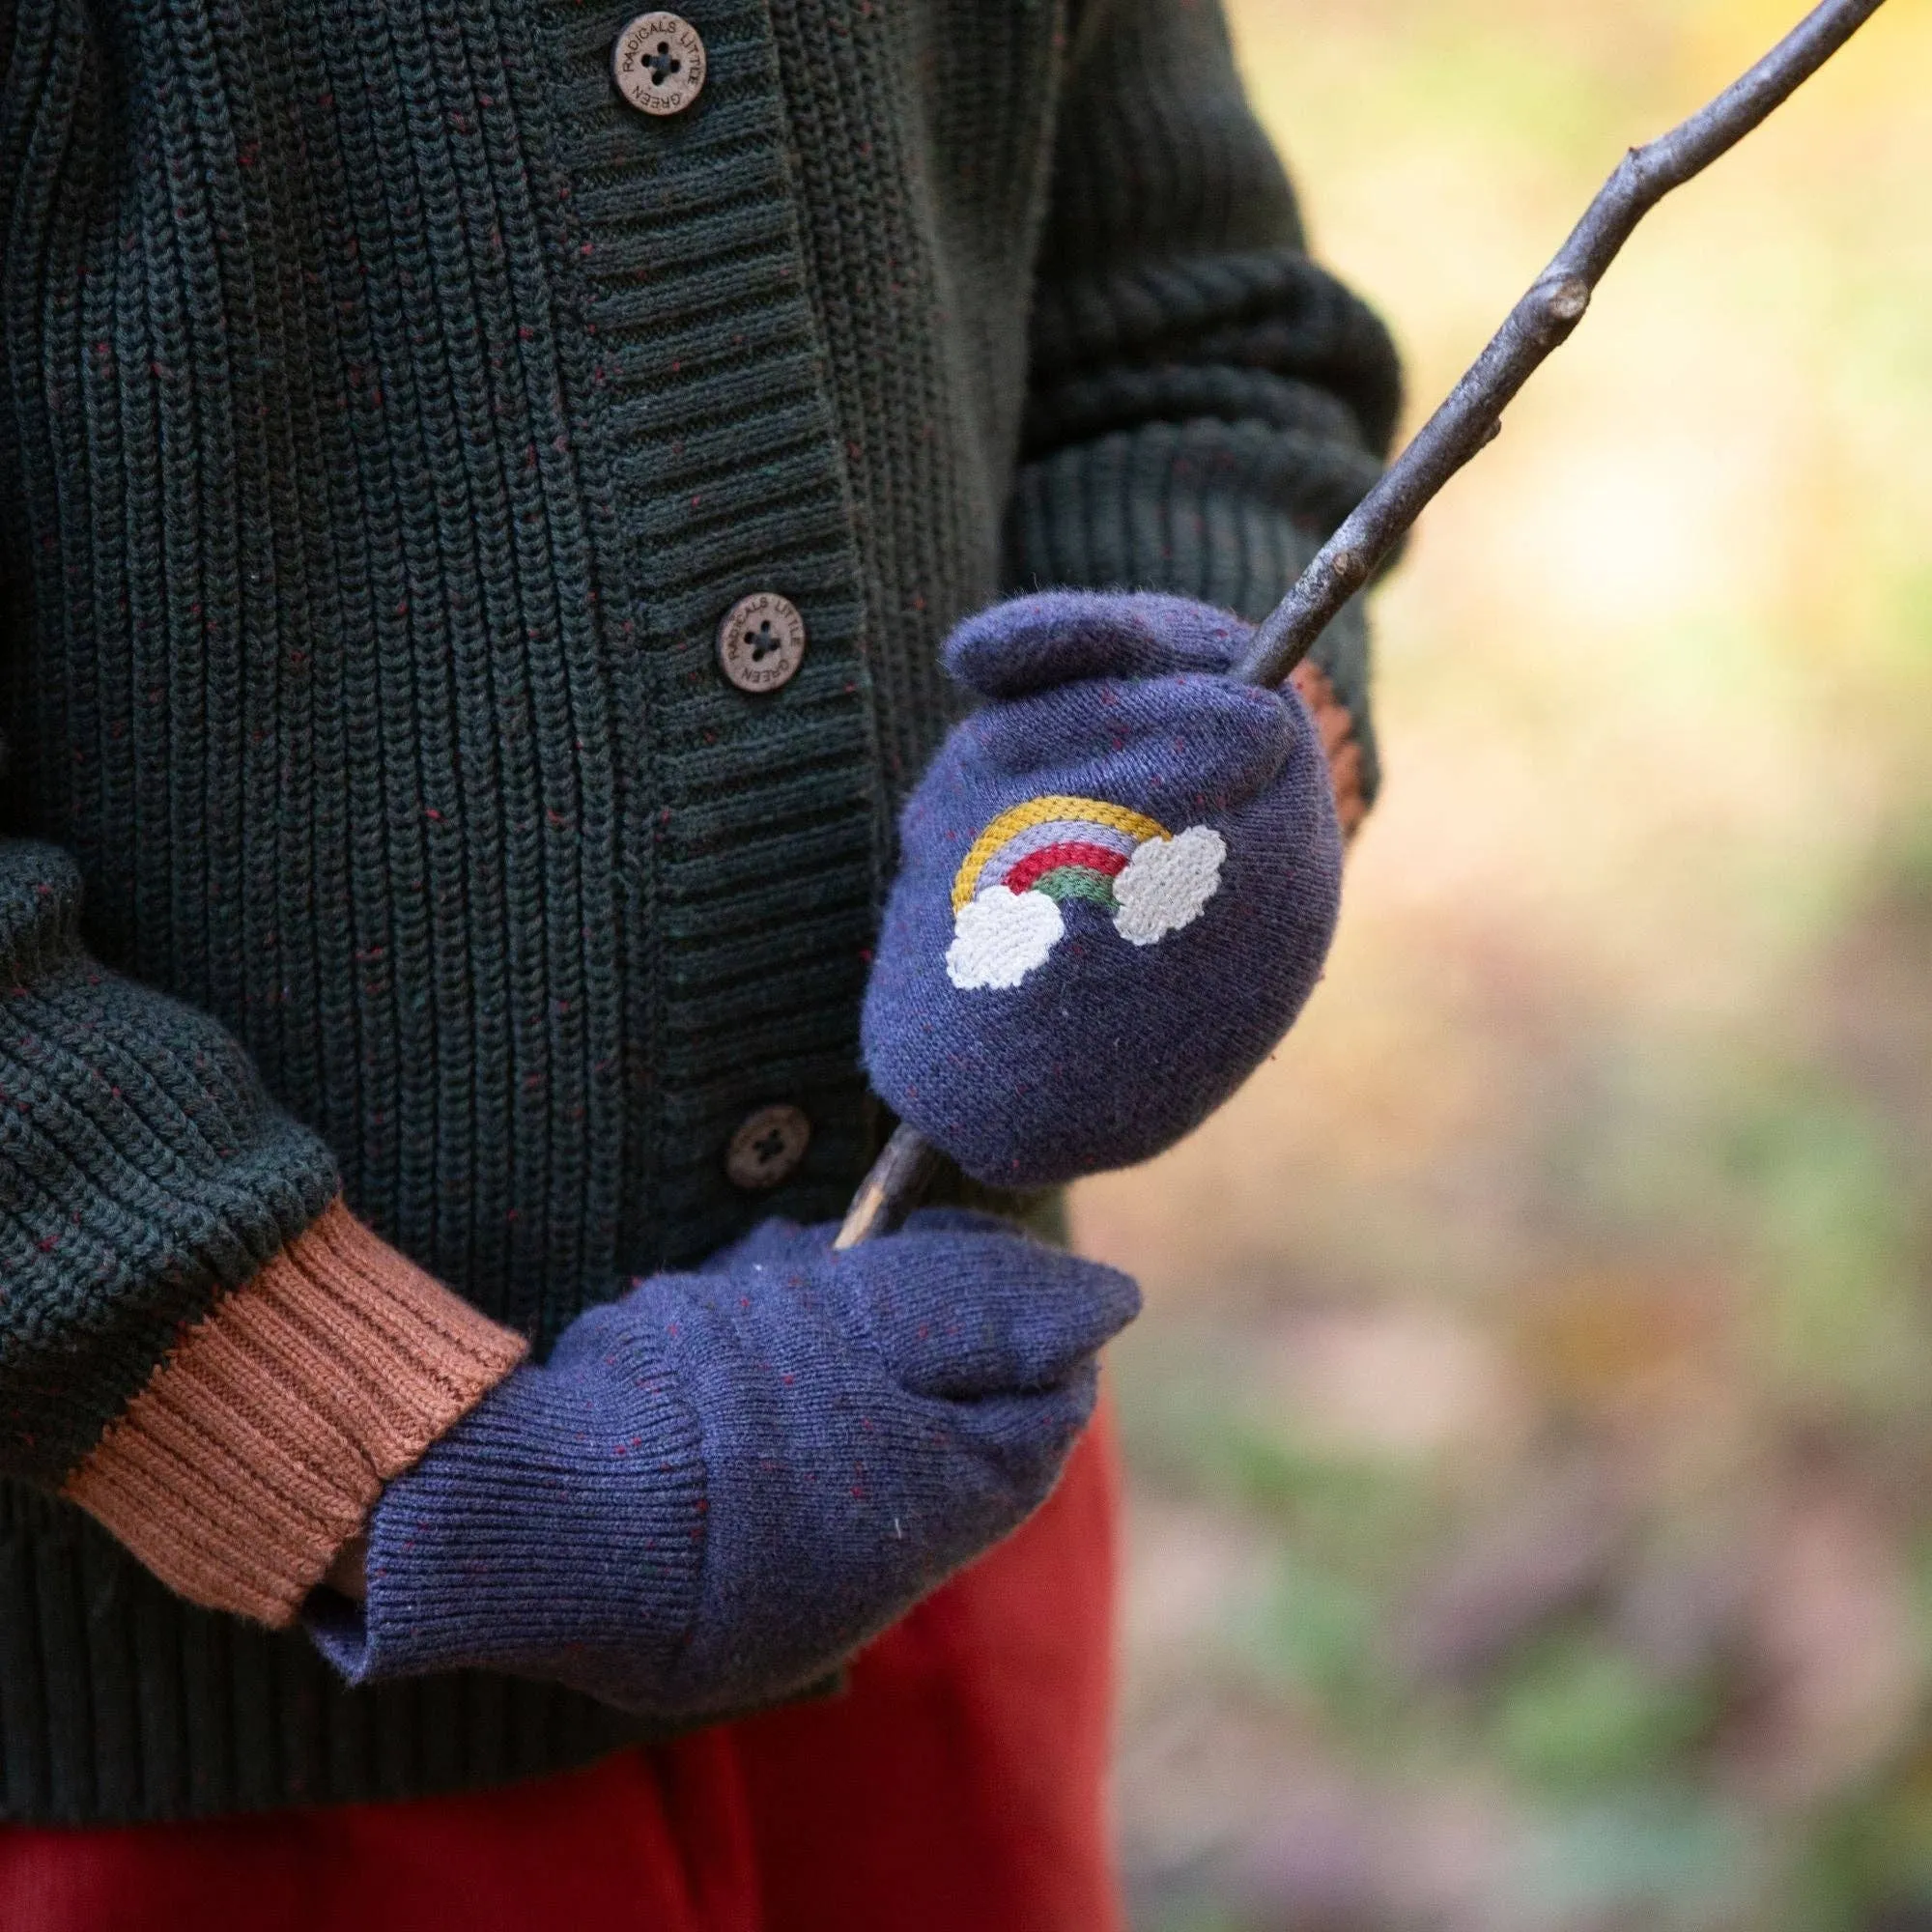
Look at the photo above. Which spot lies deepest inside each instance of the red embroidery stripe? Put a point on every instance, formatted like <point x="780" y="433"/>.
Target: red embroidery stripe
<point x="1035" y="865"/>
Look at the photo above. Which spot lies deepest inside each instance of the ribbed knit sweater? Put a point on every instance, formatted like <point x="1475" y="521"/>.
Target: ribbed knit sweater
<point x="399" y="912"/>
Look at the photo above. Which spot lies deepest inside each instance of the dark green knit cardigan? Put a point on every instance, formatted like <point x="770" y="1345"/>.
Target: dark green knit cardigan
<point x="388" y="415"/>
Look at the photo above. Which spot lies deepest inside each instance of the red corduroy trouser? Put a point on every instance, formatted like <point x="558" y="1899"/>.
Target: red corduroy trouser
<point x="957" y="1785"/>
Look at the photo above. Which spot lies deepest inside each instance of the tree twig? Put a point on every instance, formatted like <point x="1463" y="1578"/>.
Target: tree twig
<point x="1541" y="323"/>
<point x="891" y="1191"/>
<point x="1470" y="418"/>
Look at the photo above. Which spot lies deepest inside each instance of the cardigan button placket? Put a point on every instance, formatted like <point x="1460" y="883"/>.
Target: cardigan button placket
<point x="767" y="1149"/>
<point x="761" y="642"/>
<point x="659" y="63"/>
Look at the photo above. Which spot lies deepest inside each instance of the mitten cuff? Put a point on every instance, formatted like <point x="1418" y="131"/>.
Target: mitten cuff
<point x="559" y="1532"/>
<point x="258" y="1447"/>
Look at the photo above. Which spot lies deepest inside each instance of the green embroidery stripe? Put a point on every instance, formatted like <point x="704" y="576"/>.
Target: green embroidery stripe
<point x="1078" y="882"/>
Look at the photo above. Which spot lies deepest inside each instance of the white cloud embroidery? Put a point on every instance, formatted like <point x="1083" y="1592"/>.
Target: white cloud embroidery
<point x="1000" y="937"/>
<point x="1166" y="882"/>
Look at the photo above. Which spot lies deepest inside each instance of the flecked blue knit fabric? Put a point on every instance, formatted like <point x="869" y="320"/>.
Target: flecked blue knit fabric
<point x="1119" y="881"/>
<point x="718" y="1487"/>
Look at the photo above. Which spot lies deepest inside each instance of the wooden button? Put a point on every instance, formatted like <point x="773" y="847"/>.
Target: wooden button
<point x="761" y="642"/>
<point x="768" y="1150"/>
<point x="659" y="63"/>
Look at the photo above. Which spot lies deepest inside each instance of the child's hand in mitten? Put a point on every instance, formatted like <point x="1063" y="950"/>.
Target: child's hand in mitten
<point x="1119" y="884"/>
<point x="720" y="1485"/>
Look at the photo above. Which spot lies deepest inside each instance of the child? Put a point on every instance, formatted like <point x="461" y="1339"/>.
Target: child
<point x="484" y="490"/>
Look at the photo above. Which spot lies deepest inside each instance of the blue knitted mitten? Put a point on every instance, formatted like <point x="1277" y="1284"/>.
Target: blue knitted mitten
<point x="1120" y="880"/>
<point x="720" y="1485"/>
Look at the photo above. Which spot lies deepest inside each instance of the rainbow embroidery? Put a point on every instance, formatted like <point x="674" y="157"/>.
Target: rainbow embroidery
<point x="1032" y="859"/>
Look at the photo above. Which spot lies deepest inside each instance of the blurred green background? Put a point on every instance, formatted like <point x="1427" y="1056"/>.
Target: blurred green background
<point x="1531" y="1429"/>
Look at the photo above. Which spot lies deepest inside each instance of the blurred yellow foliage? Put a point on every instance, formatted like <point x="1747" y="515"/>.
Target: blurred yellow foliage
<point x="1655" y="677"/>
<point x="1614" y="1115"/>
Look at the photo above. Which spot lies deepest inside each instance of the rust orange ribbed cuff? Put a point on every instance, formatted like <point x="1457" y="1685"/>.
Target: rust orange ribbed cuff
<point x="258" y="1447"/>
<point x="1337" y="726"/>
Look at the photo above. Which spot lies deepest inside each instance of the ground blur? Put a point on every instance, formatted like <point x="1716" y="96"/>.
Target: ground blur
<point x="1531" y="1428"/>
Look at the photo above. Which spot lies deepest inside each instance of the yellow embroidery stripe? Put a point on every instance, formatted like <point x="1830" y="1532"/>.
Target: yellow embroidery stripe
<point x="1042" y="811"/>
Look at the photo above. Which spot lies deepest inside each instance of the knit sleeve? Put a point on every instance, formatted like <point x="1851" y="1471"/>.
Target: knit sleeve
<point x="1205" y="403"/>
<point x="197" y="1344"/>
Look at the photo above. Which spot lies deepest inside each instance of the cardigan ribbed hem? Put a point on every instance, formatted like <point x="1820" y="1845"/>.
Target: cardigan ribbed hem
<point x="120" y="1704"/>
<point x="258" y="1447"/>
